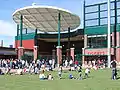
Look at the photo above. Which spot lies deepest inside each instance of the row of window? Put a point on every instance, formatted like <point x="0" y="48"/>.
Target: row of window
<point x="94" y="16"/>
<point x="102" y="7"/>
<point x="97" y="41"/>
<point x="102" y="14"/>
<point x="102" y="21"/>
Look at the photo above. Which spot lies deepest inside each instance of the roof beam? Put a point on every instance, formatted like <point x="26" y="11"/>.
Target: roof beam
<point x="27" y="20"/>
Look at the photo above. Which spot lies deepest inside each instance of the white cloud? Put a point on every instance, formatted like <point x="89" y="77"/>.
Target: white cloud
<point x="7" y="28"/>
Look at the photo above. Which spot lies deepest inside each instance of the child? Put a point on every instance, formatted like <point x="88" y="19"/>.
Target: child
<point x="80" y="72"/>
<point x="87" y="71"/>
<point x="50" y="77"/>
<point x="60" y="72"/>
<point x="42" y="76"/>
<point x="71" y="76"/>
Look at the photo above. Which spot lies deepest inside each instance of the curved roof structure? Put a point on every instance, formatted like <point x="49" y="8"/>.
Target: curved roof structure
<point x="45" y="18"/>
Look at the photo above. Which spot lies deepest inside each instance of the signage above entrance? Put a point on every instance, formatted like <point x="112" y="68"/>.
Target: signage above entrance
<point x="97" y="51"/>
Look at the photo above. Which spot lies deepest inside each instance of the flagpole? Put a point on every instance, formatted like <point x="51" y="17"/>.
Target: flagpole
<point x="109" y="36"/>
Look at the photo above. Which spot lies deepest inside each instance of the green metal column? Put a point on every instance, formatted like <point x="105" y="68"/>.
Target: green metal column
<point x="69" y="44"/>
<point x="17" y="31"/>
<point x="26" y="30"/>
<point x="21" y="28"/>
<point x="115" y="27"/>
<point x="16" y="42"/>
<point x="59" y="26"/>
<point x="35" y="38"/>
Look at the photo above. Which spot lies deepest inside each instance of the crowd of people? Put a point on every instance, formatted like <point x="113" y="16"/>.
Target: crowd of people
<point x="32" y="67"/>
<point x="20" y="67"/>
<point x="82" y="74"/>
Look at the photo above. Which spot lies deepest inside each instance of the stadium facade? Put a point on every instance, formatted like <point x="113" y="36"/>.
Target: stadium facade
<point x="88" y="44"/>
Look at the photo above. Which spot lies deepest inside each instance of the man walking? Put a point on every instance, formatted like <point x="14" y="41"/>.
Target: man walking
<point x="114" y="70"/>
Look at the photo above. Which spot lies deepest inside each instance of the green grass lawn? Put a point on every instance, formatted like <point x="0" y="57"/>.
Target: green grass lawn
<point x="98" y="80"/>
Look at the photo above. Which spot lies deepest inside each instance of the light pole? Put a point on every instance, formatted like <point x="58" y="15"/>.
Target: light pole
<point x="109" y="36"/>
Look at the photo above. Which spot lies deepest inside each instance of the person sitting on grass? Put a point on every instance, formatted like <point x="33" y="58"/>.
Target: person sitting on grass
<point x="71" y="76"/>
<point x="42" y="76"/>
<point x="1" y="72"/>
<point x="50" y="77"/>
<point x="19" y="72"/>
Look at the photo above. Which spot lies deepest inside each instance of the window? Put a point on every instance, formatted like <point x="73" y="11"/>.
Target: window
<point x="118" y="12"/>
<point x="103" y="21"/>
<point x="103" y="7"/>
<point x="112" y="13"/>
<point x="91" y="16"/>
<point x="112" y="20"/>
<point x="91" y="9"/>
<point x="118" y="4"/>
<point x="97" y="41"/>
<point x="118" y="19"/>
<point x="91" y="22"/>
<point x="103" y="14"/>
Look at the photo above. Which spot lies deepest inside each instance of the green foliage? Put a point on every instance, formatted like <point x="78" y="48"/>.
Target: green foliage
<point x="78" y="57"/>
<point x="39" y="57"/>
<point x="27" y="57"/>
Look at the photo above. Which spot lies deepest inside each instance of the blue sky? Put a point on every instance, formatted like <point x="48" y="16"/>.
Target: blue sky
<point x="7" y="7"/>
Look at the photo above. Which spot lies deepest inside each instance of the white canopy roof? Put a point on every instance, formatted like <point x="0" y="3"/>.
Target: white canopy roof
<point x="45" y="18"/>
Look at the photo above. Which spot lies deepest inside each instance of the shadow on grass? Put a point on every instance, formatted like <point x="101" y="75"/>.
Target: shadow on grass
<point x="83" y="78"/>
<point x="118" y="77"/>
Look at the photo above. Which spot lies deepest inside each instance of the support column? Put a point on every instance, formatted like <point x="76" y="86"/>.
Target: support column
<point x="115" y="29"/>
<point x="21" y="48"/>
<point x="21" y="29"/>
<point x="113" y="45"/>
<point x="85" y="41"/>
<point x="59" y="26"/>
<point x="85" y="36"/>
<point x="59" y="55"/>
<point x="20" y="52"/>
<point x="35" y="46"/>
<point x="83" y="57"/>
<point x="109" y="36"/>
<point x="83" y="51"/>
<point x="118" y="55"/>
<point x="67" y="52"/>
<point x="16" y="42"/>
<point x="35" y="52"/>
<point x="26" y="31"/>
<point x="118" y="39"/>
<point x="118" y="47"/>
<point x="53" y="54"/>
<point x="72" y="53"/>
<point x="59" y="48"/>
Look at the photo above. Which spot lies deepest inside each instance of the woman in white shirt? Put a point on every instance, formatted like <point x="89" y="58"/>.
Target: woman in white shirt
<point x="41" y="76"/>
